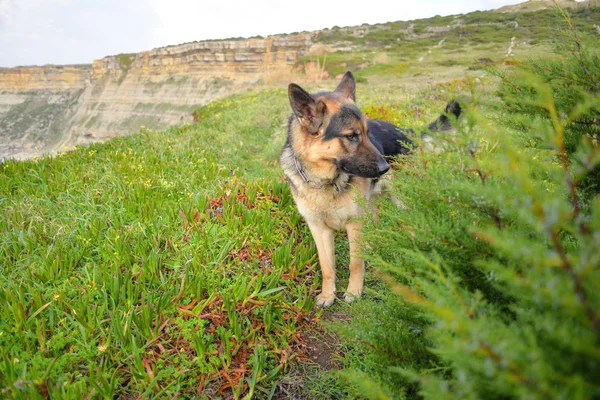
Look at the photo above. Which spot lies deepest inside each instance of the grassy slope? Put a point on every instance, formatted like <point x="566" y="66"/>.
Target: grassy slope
<point x="137" y="266"/>
<point x="110" y="253"/>
<point x="175" y="263"/>
<point x="455" y="40"/>
<point x="140" y="265"/>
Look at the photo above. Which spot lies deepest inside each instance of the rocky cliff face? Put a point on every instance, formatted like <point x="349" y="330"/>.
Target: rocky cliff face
<point x="52" y="77"/>
<point x="49" y="108"/>
<point x="37" y="105"/>
<point x="222" y="57"/>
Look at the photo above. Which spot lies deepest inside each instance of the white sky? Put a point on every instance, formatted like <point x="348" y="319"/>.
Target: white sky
<point x="35" y="32"/>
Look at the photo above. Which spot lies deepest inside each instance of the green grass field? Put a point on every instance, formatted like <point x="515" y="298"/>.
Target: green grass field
<point x="165" y="262"/>
<point x="169" y="263"/>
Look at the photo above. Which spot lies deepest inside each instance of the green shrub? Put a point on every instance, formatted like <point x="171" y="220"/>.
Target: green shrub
<point x="573" y="79"/>
<point x="338" y="62"/>
<point x="125" y="60"/>
<point x="419" y="29"/>
<point x="382" y="69"/>
<point x="499" y="253"/>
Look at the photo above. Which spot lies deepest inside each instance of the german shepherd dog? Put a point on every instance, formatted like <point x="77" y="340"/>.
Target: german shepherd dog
<point x="331" y="148"/>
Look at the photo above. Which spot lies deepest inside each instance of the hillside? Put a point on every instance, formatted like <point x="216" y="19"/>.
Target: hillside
<point x="535" y="5"/>
<point x="53" y="108"/>
<point x="172" y="263"/>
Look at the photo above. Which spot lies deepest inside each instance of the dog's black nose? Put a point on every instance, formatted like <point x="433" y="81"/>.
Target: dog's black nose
<point x="382" y="166"/>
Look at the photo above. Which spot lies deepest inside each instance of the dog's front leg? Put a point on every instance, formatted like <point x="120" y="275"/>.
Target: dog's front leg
<point x="324" y="240"/>
<point x="357" y="264"/>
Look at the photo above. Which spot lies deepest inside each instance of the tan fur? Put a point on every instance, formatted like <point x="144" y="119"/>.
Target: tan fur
<point x="325" y="206"/>
<point x="326" y="211"/>
<point x="334" y="170"/>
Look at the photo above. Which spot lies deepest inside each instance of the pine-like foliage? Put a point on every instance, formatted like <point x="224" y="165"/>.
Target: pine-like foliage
<point x="572" y="75"/>
<point x="497" y="247"/>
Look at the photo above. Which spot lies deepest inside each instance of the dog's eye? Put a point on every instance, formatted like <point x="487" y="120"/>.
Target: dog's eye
<point x="353" y="138"/>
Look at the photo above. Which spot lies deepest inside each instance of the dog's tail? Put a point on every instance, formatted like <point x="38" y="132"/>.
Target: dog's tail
<point x="443" y="122"/>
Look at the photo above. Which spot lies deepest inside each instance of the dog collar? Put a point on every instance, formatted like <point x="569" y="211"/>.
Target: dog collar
<point x="312" y="185"/>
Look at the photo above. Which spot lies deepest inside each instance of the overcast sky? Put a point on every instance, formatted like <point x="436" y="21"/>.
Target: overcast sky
<point x="35" y="32"/>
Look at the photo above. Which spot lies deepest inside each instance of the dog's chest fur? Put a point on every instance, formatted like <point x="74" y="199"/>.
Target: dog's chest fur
<point x="333" y="209"/>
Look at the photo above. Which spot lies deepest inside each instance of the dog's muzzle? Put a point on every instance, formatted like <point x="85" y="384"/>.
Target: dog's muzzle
<point x="382" y="166"/>
<point x="365" y="170"/>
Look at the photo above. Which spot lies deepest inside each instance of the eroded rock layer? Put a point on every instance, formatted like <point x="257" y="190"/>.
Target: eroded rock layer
<point x="50" y="108"/>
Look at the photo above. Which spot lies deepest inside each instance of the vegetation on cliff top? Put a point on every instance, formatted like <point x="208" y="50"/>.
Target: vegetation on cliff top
<point x="460" y="39"/>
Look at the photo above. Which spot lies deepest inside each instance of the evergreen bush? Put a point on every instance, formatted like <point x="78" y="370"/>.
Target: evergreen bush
<point x="572" y="75"/>
<point x="498" y="247"/>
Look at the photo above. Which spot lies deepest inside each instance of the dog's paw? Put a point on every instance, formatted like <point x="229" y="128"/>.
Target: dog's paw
<point x="355" y="289"/>
<point x="325" y="299"/>
<point x="350" y="297"/>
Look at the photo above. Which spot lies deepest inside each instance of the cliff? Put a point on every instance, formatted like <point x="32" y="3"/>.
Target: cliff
<point x="48" y="108"/>
<point x="51" y="77"/>
<point x="51" y="108"/>
<point x="222" y="57"/>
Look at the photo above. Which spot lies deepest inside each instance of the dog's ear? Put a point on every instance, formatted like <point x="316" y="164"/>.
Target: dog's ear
<point x="309" y="112"/>
<point x="347" y="86"/>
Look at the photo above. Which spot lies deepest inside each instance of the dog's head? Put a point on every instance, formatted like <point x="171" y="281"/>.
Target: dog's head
<point x="333" y="131"/>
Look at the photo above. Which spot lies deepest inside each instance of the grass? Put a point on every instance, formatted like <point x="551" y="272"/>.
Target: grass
<point x="382" y="69"/>
<point x="162" y="264"/>
<point x="174" y="263"/>
<point x="480" y="34"/>
<point x="338" y="62"/>
<point x="159" y="263"/>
